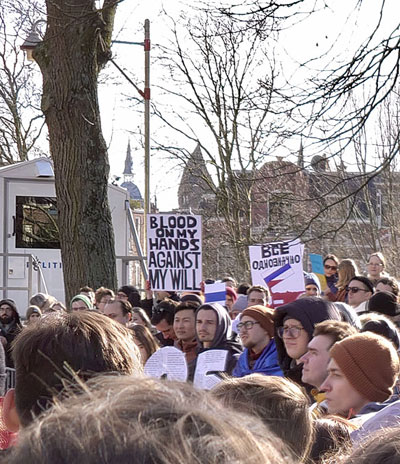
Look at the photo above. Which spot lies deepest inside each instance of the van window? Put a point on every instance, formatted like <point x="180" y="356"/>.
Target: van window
<point x="36" y="222"/>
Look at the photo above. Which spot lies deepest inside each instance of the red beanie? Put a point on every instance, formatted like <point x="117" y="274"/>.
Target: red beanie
<point x="369" y="362"/>
<point x="231" y="293"/>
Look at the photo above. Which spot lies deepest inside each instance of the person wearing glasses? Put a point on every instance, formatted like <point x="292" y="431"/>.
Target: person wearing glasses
<point x="331" y="265"/>
<point x="375" y="267"/>
<point x="256" y="331"/>
<point x="359" y="291"/>
<point x="294" y="327"/>
<point x="346" y="271"/>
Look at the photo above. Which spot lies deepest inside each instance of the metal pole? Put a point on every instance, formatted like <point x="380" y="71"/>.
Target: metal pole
<point x="147" y="209"/>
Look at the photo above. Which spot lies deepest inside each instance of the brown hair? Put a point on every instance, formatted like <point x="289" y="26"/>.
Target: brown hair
<point x="332" y="257"/>
<point x="331" y="439"/>
<point x="142" y="314"/>
<point x="380" y="447"/>
<point x="145" y="337"/>
<point x="392" y="282"/>
<point x="258" y="288"/>
<point x="338" y="330"/>
<point x="347" y="270"/>
<point x="46" y="353"/>
<point x="125" y="306"/>
<point x="102" y="291"/>
<point x="278" y="402"/>
<point x="146" y="420"/>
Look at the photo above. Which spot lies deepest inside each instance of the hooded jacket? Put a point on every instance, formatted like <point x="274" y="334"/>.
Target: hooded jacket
<point x="309" y="312"/>
<point x="223" y="338"/>
<point x="266" y="364"/>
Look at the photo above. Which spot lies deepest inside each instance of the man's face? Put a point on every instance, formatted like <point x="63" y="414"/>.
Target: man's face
<point x="79" y="305"/>
<point x="316" y="360"/>
<point x="184" y="325"/>
<point x="114" y="311"/>
<point x="330" y="268"/>
<point x="206" y="325"/>
<point x="166" y="329"/>
<point x="295" y="338"/>
<point x="255" y="337"/>
<point x="104" y="300"/>
<point x="6" y="314"/>
<point x="358" y="293"/>
<point x="229" y="302"/>
<point x="340" y="394"/>
<point x="121" y="296"/>
<point x="256" y="298"/>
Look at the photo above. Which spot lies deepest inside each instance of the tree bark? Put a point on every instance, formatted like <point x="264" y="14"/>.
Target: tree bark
<point x="75" y="47"/>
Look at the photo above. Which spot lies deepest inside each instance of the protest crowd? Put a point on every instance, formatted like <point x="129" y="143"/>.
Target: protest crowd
<point x="185" y="377"/>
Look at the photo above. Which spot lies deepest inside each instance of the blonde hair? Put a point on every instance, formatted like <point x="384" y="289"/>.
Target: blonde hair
<point x="347" y="270"/>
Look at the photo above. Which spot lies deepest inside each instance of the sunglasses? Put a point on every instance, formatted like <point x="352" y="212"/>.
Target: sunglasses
<point x="329" y="268"/>
<point x="356" y="289"/>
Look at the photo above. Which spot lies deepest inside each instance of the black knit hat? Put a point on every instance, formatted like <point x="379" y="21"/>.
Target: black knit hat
<point x="384" y="303"/>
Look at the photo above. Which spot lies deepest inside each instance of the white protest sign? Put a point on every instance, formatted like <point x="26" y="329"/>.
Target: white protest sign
<point x="174" y="252"/>
<point x="279" y="265"/>
<point x="207" y="362"/>
<point x="168" y="362"/>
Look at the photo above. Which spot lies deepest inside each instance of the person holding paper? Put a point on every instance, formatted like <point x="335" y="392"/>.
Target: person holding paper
<point x="256" y="330"/>
<point x="214" y="331"/>
<point x="185" y="329"/>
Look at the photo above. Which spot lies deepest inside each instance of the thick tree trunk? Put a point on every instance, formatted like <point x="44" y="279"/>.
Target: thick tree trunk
<point x="74" y="48"/>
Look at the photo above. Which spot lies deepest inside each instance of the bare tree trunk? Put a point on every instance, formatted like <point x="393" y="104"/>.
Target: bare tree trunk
<point x="75" y="47"/>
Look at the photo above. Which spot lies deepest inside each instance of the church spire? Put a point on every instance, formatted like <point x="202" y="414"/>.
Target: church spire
<point x="128" y="161"/>
<point x="300" y="156"/>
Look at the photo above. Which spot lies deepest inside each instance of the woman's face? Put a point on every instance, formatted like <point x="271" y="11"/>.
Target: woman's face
<point x="330" y="268"/>
<point x="136" y="319"/>
<point x="374" y="267"/>
<point x="143" y="353"/>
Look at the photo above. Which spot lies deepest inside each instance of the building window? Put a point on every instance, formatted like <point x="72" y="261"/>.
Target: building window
<point x="36" y="222"/>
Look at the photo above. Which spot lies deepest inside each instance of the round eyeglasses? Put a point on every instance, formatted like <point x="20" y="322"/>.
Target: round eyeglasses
<point x="290" y="332"/>
<point x="246" y="325"/>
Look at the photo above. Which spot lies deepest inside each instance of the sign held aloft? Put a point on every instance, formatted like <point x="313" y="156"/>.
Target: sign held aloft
<point x="279" y="266"/>
<point x="174" y="252"/>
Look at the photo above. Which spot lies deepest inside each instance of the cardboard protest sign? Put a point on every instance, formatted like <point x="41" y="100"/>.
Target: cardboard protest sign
<point x="279" y="265"/>
<point x="167" y="362"/>
<point x="317" y="267"/>
<point x="174" y="251"/>
<point x="215" y="293"/>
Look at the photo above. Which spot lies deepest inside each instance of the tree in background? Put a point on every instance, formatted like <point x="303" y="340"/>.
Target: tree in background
<point x="221" y="79"/>
<point x="75" y="47"/>
<point x="21" y="120"/>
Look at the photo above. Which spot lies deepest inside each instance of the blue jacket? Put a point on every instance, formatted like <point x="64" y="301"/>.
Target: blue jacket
<point x="266" y="364"/>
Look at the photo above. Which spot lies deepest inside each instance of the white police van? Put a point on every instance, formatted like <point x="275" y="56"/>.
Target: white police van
<point x="30" y="258"/>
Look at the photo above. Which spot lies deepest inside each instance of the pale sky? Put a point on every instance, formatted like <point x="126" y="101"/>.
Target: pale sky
<point x="306" y="40"/>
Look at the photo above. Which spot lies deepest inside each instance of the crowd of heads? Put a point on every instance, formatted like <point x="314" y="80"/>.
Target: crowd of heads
<point x="305" y="382"/>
